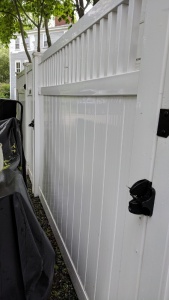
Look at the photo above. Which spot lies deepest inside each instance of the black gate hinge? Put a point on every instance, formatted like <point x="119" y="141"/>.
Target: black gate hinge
<point x="163" y="123"/>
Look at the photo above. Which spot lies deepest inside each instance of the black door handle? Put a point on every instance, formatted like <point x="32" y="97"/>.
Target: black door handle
<point x="143" y="198"/>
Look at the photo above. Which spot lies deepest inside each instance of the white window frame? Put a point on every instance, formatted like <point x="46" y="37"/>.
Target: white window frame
<point x="16" y="68"/>
<point x="27" y="43"/>
<point x="17" y="39"/>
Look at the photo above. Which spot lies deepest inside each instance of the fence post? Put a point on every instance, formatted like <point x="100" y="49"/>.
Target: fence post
<point x="36" y="103"/>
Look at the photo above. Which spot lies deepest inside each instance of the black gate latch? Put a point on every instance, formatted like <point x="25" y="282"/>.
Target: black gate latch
<point x="163" y="123"/>
<point x="143" y="198"/>
<point x="32" y="124"/>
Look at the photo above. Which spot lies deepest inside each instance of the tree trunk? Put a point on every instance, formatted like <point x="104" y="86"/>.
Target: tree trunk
<point x="25" y="46"/>
<point x="47" y="33"/>
<point x="22" y="32"/>
<point x="38" y="42"/>
<point x="80" y="8"/>
<point x="95" y="1"/>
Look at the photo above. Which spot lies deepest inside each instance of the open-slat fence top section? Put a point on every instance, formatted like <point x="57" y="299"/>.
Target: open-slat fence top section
<point x="102" y="44"/>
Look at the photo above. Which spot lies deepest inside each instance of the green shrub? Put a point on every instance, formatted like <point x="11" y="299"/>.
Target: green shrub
<point x="4" y="90"/>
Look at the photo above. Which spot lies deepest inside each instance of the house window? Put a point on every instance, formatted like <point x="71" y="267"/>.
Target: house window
<point x="17" y="66"/>
<point x="17" y="44"/>
<point x="27" y="41"/>
<point x="45" y="44"/>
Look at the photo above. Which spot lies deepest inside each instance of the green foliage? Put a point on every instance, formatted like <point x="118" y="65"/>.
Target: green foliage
<point x="4" y="90"/>
<point x="65" y="9"/>
<point x="8" y="21"/>
<point x="17" y="16"/>
<point x="4" y="64"/>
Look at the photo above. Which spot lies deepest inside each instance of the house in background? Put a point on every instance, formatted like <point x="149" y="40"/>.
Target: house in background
<point x="17" y="54"/>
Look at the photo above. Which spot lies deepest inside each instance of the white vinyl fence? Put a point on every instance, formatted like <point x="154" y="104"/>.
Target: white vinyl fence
<point x="95" y="96"/>
<point x="25" y="96"/>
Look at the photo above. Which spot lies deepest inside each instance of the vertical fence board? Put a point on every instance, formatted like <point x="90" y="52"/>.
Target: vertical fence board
<point x="103" y="47"/>
<point x="120" y="37"/>
<point x="79" y="180"/>
<point x="134" y="12"/>
<point x="83" y="56"/>
<point x="96" y="51"/>
<point x="89" y="49"/>
<point x="112" y="20"/>
<point x="97" y="186"/>
<point x="87" y="182"/>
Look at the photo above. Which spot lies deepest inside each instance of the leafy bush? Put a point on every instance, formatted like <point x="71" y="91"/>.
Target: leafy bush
<point x="4" y="64"/>
<point x="4" y="90"/>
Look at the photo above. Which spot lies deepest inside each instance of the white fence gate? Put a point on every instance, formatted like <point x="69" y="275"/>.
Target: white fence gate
<point x="97" y="93"/>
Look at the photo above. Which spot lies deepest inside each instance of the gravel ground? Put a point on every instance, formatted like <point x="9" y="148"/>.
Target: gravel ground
<point x="62" y="287"/>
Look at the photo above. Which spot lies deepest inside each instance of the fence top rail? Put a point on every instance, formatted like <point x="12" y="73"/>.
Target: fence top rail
<point x="99" y="11"/>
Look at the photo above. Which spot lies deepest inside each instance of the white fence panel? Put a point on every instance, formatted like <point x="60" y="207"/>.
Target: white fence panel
<point x="88" y="99"/>
<point x="25" y="96"/>
<point x="87" y="149"/>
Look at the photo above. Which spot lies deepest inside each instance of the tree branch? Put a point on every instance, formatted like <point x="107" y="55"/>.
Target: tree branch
<point x="87" y="4"/>
<point x="22" y="30"/>
<point x="9" y="13"/>
<point x="24" y="11"/>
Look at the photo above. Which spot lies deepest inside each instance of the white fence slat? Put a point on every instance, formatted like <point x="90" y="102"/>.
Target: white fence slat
<point x="64" y="167"/>
<point x="83" y="56"/>
<point x="68" y="173"/>
<point x="87" y="181"/>
<point x="59" y="69"/>
<point x="134" y="12"/>
<point x="111" y="35"/>
<point x="56" y="158"/>
<point x="44" y="73"/>
<point x="89" y="54"/>
<point x="78" y="65"/>
<point x="79" y="180"/>
<point x="49" y="69"/>
<point x="70" y="63"/>
<point x="103" y="48"/>
<point x="73" y="126"/>
<point x="53" y="116"/>
<point x="52" y="71"/>
<point x="122" y="11"/>
<point x="74" y="60"/>
<point x="96" y="197"/>
<point x="96" y="51"/>
<point x="141" y="33"/>
<point x="60" y="65"/>
<point x="66" y="65"/>
<point x="74" y="183"/>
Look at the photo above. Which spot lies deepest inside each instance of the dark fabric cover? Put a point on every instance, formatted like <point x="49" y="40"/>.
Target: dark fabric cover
<point x="10" y="137"/>
<point x="26" y="255"/>
<point x="7" y="109"/>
